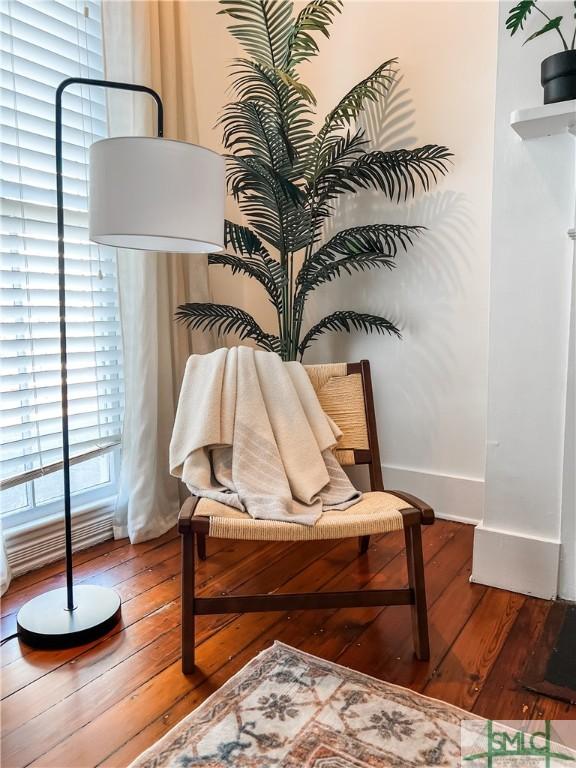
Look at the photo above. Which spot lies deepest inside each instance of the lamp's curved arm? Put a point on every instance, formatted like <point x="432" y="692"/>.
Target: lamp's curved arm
<point x="62" y="294"/>
<point x="108" y="84"/>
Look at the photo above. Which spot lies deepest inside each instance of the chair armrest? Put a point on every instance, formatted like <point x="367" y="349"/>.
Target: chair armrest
<point x="186" y="514"/>
<point x="425" y="510"/>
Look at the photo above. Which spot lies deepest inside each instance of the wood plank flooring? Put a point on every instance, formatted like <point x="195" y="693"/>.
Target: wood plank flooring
<point x="105" y="702"/>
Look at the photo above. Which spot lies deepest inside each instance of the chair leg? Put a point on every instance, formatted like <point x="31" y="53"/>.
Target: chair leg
<point x="413" y="536"/>
<point x="363" y="544"/>
<point x="201" y="545"/>
<point x="187" y="603"/>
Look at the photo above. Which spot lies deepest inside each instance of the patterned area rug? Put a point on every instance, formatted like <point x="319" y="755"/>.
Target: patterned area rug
<point x="287" y="708"/>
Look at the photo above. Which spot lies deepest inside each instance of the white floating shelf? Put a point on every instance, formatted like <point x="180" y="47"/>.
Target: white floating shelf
<point x="547" y="120"/>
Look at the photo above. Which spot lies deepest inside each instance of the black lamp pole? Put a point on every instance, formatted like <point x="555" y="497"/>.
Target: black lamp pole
<point x="65" y="617"/>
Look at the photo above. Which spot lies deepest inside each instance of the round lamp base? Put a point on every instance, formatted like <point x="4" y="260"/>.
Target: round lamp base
<point x="45" y="622"/>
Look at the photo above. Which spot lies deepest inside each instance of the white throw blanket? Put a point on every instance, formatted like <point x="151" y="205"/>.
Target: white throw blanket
<point x="250" y="433"/>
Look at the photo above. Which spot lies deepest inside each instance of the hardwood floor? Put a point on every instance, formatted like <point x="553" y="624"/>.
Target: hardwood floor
<point x="103" y="703"/>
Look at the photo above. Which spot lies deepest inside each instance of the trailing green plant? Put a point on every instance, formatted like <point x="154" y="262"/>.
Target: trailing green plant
<point x="286" y="179"/>
<point x="519" y="14"/>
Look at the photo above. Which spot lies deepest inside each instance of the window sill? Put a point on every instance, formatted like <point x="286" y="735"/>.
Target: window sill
<point x="34" y="544"/>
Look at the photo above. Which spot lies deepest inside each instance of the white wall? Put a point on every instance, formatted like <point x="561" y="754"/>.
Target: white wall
<point x="517" y="546"/>
<point x="430" y="389"/>
<point x="567" y="571"/>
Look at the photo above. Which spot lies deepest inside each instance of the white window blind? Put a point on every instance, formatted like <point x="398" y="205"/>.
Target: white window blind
<point x="42" y="44"/>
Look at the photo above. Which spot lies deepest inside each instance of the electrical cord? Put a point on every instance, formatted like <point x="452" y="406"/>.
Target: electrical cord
<point x="8" y="637"/>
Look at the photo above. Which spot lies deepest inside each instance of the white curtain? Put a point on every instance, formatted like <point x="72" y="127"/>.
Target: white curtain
<point x="145" y="42"/>
<point x="4" y="567"/>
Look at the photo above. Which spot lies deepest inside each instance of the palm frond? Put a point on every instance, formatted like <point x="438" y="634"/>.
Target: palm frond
<point x="285" y="98"/>
<point x="371" y="88"/>
<point x="267" y="197"/>
<point x="224" y="318"/>
<point x="292" y="81"/>
<point x="265" y="32"/>
<point x="246" y="243"/>
<point x="347" y="320"/>
<point x="353" y="250"/>
<point x="397" y="173"/>
<point x="251" y="268"/>
<point x="378" y="239"/>
<point x="361" y="262"/>
<point x="264" y="28"/>
<point x="316" y="16"/>
<point x="250" y="129"/>
<point x="338" y="152"/>
<point x="252" y="81"/>
<point x="243" y="240"/>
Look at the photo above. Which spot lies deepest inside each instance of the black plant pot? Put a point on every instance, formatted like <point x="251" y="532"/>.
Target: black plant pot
<point x="558" y="76"/>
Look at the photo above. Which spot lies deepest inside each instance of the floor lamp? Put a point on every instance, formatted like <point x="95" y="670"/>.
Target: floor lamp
<point x="146" y="193"/>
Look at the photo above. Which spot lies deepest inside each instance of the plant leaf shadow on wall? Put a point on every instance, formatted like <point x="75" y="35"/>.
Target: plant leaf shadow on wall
<point x="437" y="267"/>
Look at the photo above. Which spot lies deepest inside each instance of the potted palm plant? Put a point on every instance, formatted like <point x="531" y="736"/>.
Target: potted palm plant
<point x="286" y="178"/>
<point x="558" y="72"/>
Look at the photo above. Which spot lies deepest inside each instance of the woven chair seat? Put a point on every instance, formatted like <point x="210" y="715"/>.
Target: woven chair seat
<point x="376" y="512"/>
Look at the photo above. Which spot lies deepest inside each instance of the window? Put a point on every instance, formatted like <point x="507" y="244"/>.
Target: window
<point x="42" y="44"/>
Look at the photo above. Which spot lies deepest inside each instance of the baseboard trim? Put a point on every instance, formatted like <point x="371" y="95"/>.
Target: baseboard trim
<point x="516" y="562"/>
<point x="457" y="518"/>
<point x="31" y="546"/>
<point x="460" y="499"/>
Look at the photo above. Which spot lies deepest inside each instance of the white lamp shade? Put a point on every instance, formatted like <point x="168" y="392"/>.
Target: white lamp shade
<point x="156" y="194"/>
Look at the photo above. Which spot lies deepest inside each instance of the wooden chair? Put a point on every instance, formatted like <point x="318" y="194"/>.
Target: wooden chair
<point x="345" y="392"/>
